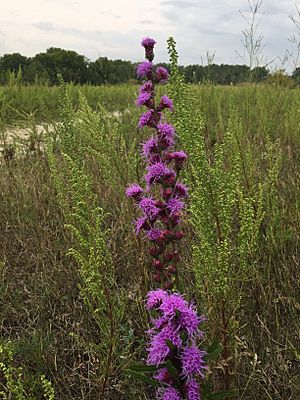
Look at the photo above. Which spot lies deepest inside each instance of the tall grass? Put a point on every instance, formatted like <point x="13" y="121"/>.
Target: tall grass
<point x="18" y="101"/>
<point x="71" y="268"/>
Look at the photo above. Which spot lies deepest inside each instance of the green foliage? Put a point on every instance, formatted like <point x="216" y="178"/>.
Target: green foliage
<point x="14" y="385"/>
<point x="226" y="203"/>
<point x="279" y="78"/>
<point x="296" y="76"/>
<point x="43" y="100"/>
<point x="12" y="375"/>
<point x="49" y="393"/>
<point x="85" y="220"/>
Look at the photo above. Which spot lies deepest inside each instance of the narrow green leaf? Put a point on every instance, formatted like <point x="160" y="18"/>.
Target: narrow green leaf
<point x="142" y="377"/>
<point x="172" y="370"/>
<point x="214" y="351"/>
<point x="146" y="368"/>
<point x="170" y="345"/>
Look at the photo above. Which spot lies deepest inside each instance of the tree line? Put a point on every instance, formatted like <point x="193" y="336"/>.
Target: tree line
<point x="43" y="68"/>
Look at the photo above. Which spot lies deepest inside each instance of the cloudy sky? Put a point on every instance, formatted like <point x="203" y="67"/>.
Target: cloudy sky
<point x="113" y="28"/>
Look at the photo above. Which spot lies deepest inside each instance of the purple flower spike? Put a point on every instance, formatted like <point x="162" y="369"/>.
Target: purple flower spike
<point x="162" y="74"/>
<point x="193" y="390"/>
<point x="134" y="191"/>
<point x="144" y="69"/>
<point x="168" y="394"/>
<point x="146" y="119"/>
<point x="175" y="324"/>
<point x="165" y="102"/>
<point x="143" y="99"/>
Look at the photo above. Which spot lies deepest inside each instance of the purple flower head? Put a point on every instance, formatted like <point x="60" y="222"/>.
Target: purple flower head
<point x="163" y="376"/>
<point x="144" y="99"/>
<point x="148" y="42"/>
<point x="190" y="321"/>
<point x="162" y="74"/>
<point x="155" y="297"/>
<point x="154" y="234"/>
<point x="159" y="349"/>
<point x="180" y="190"/>
<point x="148" y="206"/>
<point x="179" y="157"/>
<point x="144" y="69"/>
<point x="168" y="393"/>
<point x="172" y="303"/>
<point x="166" y="134"/>
<point x="141" y="223"/>
<point x="150" y="147"/>
<point x="134" y="191"/>
<point x="146" y="119"/>
<point x="165" y="102"/>
<point x="175" y="206"/>
<point x="146" y="87"/>
<point x="158" y="173"/>
<point x="192" y="361"/>
<point x="193" y="390"/>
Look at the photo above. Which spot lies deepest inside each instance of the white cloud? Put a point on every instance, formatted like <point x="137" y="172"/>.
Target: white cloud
<point x="114" y="28"/>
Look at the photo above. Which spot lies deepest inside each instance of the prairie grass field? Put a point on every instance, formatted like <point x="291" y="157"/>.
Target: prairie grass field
<point x="73" y="275"/>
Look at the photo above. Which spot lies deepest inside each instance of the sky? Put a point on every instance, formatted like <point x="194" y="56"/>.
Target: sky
<point x="114" y="28"/>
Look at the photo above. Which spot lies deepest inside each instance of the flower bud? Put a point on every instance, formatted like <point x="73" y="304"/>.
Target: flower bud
<point x="179" y="235"/>
<point x="172" y="255"/>
<point x="172" y="269"/>
<point x="154" y="251"/>
<point x="165" y="220"/>
<point x="167" y="234"/>
<point x="170" y="180"/>
<point x="175" y="218"/>
<point x="168" y="285"/>
<point x="168" y="275"/>
<point x="148" y="44"/>
<point x="159" y="204"/>
<point x="158" y="265"/>
<point x="167" y="193"/>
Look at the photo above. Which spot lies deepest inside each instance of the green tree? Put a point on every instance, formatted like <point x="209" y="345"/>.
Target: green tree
<point x="36" y="72"/>
<point x="13" y="62"/>
<point x="71" y="65"/>
<point x="296" y="76"/>
<point x="259" y="74"/>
